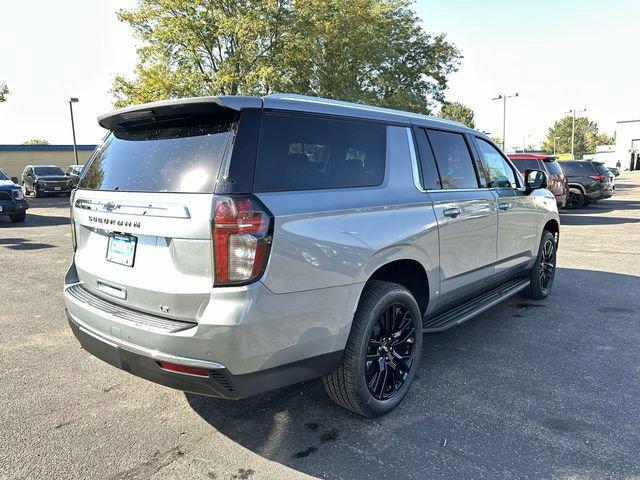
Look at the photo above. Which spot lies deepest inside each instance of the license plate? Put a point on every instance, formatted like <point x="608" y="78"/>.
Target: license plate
<point x="57" y="188"/>
<point x="122" y="249"/>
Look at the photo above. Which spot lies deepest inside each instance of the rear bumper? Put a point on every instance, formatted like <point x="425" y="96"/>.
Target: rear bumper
<point x="248" y="338"/>
<point x="10" y="208"/>
<point x="220" y="383"/>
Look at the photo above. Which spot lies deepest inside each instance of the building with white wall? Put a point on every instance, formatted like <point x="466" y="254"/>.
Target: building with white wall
<point x="628" y="144"/>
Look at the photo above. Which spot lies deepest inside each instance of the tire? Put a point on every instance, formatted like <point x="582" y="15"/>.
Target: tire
<point x="378" y="343"/>
<point x="575" y="200"/>
<point x="18" y="217"/>
<point x="542" y="273"/>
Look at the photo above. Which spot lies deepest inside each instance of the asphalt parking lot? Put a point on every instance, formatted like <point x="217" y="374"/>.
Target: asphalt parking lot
<point x="527" y="390"/>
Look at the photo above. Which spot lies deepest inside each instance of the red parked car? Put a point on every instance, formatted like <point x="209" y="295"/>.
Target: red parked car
<point x="547" y="163"/>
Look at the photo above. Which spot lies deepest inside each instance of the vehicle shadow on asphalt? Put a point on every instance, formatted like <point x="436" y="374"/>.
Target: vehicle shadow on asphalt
<point x="23" y="244"/>
<point x="594" y="220"/>
<point x="35" y="220"/>
<point x="567" y="216"/>
<point x="50" y="201"/>
<point x="528" y="389"/>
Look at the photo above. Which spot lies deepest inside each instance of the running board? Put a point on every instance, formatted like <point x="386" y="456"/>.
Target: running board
<point x="470" y="309"/>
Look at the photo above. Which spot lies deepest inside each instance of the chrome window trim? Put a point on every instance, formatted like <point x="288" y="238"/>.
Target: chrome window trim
<point x="414" y="160"/>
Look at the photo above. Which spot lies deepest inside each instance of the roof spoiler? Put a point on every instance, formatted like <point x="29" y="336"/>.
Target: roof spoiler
<point x="137" y="115"/>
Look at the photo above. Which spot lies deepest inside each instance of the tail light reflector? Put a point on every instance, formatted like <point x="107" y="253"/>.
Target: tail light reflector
<point x="174" y="367"/>
<point x="598" y="178"/>
<point x="241" y="239"/>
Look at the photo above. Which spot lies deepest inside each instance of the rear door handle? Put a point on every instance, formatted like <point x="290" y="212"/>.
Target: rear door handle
<point x="503" y="206"/>
<point x="452" y="212"/>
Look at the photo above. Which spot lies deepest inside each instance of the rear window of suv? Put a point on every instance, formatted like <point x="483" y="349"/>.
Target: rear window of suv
<point x="523" y="164"/>
<point x="600" y="168"/>
<point x="552" y="167"/>
<point x="183" y="158"/>
<point x="299" y="152"/>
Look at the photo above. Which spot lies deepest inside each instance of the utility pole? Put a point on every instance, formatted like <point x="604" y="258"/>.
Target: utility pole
<point x="73" y="100"/>
<point x="573" y="130"/>
<point x="504" y="97"/>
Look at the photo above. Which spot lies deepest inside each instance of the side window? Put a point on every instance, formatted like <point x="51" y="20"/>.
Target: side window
<point x="573" y="169"/>
<point x="428" y="169"/>
<point x="305" y="153"/>
<point x="454" y="159"/>
<point x="497" y="171"/>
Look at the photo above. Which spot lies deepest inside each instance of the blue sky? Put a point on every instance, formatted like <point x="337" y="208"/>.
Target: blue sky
<point x="556" y="54"/>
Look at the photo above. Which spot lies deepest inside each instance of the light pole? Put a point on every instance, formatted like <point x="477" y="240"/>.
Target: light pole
<point x="504" y="97"/>
<point x="73" y="100"/>
<point x="573" y="129"/>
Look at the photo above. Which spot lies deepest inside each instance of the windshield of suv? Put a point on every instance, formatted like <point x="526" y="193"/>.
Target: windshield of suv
<point x="184" y="158"/>
<point x="45" y="171"/>
<point x="553" y="167"/>
<point x="3" y="176"/>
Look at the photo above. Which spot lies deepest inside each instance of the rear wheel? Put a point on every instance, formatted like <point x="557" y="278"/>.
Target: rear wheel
<point x="382" y="352"/>
<point x="543" y="272"/>
<point x="18" y="217"/>
<point x="575" y="200"/>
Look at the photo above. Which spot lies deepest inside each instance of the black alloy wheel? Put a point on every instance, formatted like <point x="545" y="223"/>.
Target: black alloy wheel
<point x="382" y="352"/>
<point x="543" y="272"/>
<point x="547" y="264"/>
<point x="390" y="352"/>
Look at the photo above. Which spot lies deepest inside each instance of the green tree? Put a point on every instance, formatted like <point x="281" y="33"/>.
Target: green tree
<point x="371" y="51"/>
<point x="35" y="141"/>
<point x="458" y="112"/>
<point x="4" y="91"/>
<point x="587" y="137"/>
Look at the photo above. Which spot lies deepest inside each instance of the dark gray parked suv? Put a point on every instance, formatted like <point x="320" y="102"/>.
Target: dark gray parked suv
<point x="232" y="245"/>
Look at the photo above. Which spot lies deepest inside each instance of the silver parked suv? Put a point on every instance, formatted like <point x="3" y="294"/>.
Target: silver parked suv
<point x="232" y="245"/>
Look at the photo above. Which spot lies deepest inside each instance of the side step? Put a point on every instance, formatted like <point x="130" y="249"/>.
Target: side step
<point x="470" y="309"/>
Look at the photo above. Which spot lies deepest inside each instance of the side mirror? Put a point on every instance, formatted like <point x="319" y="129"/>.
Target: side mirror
<point x="534" y="180"/>
<point x="15" y="180"/>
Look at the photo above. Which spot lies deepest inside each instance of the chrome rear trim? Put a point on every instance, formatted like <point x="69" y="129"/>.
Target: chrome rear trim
<point x="166" y="210"/>
<point x="143" y="321"/>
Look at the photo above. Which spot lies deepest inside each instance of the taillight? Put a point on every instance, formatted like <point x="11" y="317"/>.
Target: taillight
<point x="241" y="239"/>
<point x="74" y="241"/>
<point x="597" y="178"/>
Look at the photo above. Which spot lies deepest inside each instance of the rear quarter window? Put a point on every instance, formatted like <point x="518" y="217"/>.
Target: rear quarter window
<point x="578" y="169"/>
<point x="298" y="152"/>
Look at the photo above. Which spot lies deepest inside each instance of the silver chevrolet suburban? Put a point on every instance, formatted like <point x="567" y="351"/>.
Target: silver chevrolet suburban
<point x="231" y="245"/>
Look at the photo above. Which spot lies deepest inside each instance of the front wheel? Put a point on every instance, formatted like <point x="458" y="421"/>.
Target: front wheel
<point x="543" y="272"/>
<point x="382" y="352"/>
<point x="18" y="217"/>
